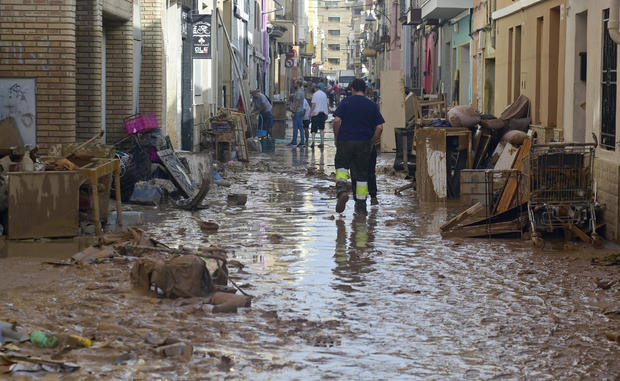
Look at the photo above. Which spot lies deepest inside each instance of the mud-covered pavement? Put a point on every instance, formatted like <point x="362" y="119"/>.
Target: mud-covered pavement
<point x="381" y="296"/>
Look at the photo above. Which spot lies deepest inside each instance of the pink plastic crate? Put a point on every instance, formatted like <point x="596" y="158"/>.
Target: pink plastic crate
<point x="140" y="123"/>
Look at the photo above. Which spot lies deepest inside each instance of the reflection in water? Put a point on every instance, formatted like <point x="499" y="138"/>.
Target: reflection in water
<point x="300" y="156"/>
<point x="321" y="163"/>
<point x="355" y="257"/>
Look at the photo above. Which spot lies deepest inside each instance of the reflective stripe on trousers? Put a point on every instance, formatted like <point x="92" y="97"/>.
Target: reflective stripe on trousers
<point x="342" y="174"/>
<point x="361" y="190"/>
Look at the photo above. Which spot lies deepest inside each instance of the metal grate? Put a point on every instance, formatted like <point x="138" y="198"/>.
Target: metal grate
<point x="608" y="86"/>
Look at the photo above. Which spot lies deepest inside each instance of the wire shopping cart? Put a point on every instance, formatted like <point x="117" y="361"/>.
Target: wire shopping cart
<point x="559" y="180"/>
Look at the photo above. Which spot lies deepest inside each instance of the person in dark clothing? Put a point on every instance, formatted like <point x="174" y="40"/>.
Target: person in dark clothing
<point x="357" y="129"/>
<point x="372" y="177"/>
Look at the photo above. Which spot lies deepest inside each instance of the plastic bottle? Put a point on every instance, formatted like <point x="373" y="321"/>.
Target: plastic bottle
<point x="43" y="340"/>
<point x="75" y="341"/>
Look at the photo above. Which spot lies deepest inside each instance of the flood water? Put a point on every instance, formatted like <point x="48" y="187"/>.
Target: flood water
<point x="345" y="297"/>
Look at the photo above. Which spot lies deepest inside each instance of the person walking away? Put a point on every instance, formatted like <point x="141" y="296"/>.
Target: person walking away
<point x="357" y="128"/>
<point x="298" y="109"/>
<point x="306" y="120"/>
<point x="318" y="114"/>
<point x="262" y="106"/>
<point x="372" y="177"/>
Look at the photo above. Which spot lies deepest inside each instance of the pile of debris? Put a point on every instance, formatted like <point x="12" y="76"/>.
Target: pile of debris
<point x="156" y="271"/>
<point x="517" y="185"/>
<point x="142" y="168"/>
<point x="225" y="134"/>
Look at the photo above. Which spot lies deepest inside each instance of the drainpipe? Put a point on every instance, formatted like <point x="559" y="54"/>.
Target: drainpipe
<point x="613" y="24"/>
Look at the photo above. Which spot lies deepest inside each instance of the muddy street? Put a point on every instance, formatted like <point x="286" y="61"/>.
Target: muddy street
<point x="380" y="296"/>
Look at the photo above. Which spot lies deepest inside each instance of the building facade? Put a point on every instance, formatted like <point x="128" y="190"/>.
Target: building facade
<point x="334" y="22"/>
<point x="591" y="97"/>
<point x="78" y="67"/>
<point x="529" y="58"/>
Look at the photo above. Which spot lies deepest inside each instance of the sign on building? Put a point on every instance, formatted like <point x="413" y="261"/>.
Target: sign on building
<point x="18" y="100"/>
<point x="201" y="36"/>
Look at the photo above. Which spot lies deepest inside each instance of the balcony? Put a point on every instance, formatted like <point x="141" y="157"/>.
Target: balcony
<point x="442" y="9"/>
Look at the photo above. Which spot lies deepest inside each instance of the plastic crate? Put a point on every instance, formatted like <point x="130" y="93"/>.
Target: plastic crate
<point x="140" y="123"/>
<point x="268" y="144"/>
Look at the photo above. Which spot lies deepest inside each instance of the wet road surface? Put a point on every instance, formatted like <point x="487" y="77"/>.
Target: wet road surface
<point x="381" y="296"/>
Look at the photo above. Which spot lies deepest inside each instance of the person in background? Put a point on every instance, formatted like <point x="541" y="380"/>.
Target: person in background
<point x="262" y="106"/>
<point x="357" y="129"/>
<point x="318" y="114"/>
<point x="306" y="120"/>
<point x="298" y="109"/>
<point x="337" y="94"/>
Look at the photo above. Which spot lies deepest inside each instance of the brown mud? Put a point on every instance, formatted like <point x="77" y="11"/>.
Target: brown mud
<point x="334" y="297"/>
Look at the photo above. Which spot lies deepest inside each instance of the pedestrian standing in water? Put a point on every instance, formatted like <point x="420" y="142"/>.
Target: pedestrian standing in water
<point x="306" y="120"/>
<point x="318" y="114"/>
<point x="298" y="109"/>
<point x="357" y="129"/>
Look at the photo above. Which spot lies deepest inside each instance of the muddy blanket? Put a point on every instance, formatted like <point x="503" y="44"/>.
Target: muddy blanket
<point x="182" y="277"/>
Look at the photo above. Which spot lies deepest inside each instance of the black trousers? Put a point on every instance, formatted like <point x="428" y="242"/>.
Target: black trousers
<point x="371" y="176"/>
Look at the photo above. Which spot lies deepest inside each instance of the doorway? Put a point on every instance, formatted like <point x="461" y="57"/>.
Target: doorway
<point x="580" y="77"/>
<point x="465" y="75"/>
<point x="489" y="86"/>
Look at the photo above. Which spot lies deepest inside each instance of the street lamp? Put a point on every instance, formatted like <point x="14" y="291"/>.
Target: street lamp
<point x="371" y="17"/>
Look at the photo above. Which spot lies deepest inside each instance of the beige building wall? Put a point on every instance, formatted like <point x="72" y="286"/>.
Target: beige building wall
<point x="530" y="53"/>
<point x="582" y="102"/>
<point x="334" y="20"/>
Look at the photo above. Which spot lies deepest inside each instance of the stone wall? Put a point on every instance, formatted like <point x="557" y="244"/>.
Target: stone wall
<point x="607" y="177"/>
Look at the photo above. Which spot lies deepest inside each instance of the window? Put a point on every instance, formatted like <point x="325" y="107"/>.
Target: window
<point x="331" y="4"/>
<point x="333" y="61"/>
<point x="608" y="87"/>
<point x="333" y="18"/>
<point x="333" y="32"/>
<point x="333" y="46"/>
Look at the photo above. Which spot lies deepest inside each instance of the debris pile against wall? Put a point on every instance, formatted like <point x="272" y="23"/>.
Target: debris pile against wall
<point x="514" y="182"/>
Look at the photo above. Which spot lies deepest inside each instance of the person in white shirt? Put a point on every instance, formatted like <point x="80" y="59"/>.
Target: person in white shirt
<point x="306" y="120"/>
<point x="318" y="114"/>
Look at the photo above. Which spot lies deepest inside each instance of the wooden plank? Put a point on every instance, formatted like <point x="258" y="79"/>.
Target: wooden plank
<point x="482" y="149"/>
<point x="579" y="233"/>
<point x="511" y="185"/>
<point x="483" y="230"/>
<point x="239" y="133"/>
<point x="178" y="172"/>
<point x="474" y="209"/>
<point x="431" y="172"/>
<point x="392" y="106"/>
<point x="507" y="157"/>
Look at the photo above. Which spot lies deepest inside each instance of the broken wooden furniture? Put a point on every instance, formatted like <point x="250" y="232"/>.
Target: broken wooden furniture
<point x="228" y="130"/>
<point x="428" y="107"/>
<point x="441" y="152"/>
<point x="485" y="186"/>
<point x="92" y="172"/>
<point x="43" y="204"/>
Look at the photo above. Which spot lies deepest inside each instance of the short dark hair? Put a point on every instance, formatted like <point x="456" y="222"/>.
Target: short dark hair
<point x="358" y="85"/>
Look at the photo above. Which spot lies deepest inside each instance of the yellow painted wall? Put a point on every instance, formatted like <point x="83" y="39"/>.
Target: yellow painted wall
<point x="550" y="95"/>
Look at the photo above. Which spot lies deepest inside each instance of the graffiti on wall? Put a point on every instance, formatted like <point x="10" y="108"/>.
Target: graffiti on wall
<point x="18" y="100"/>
